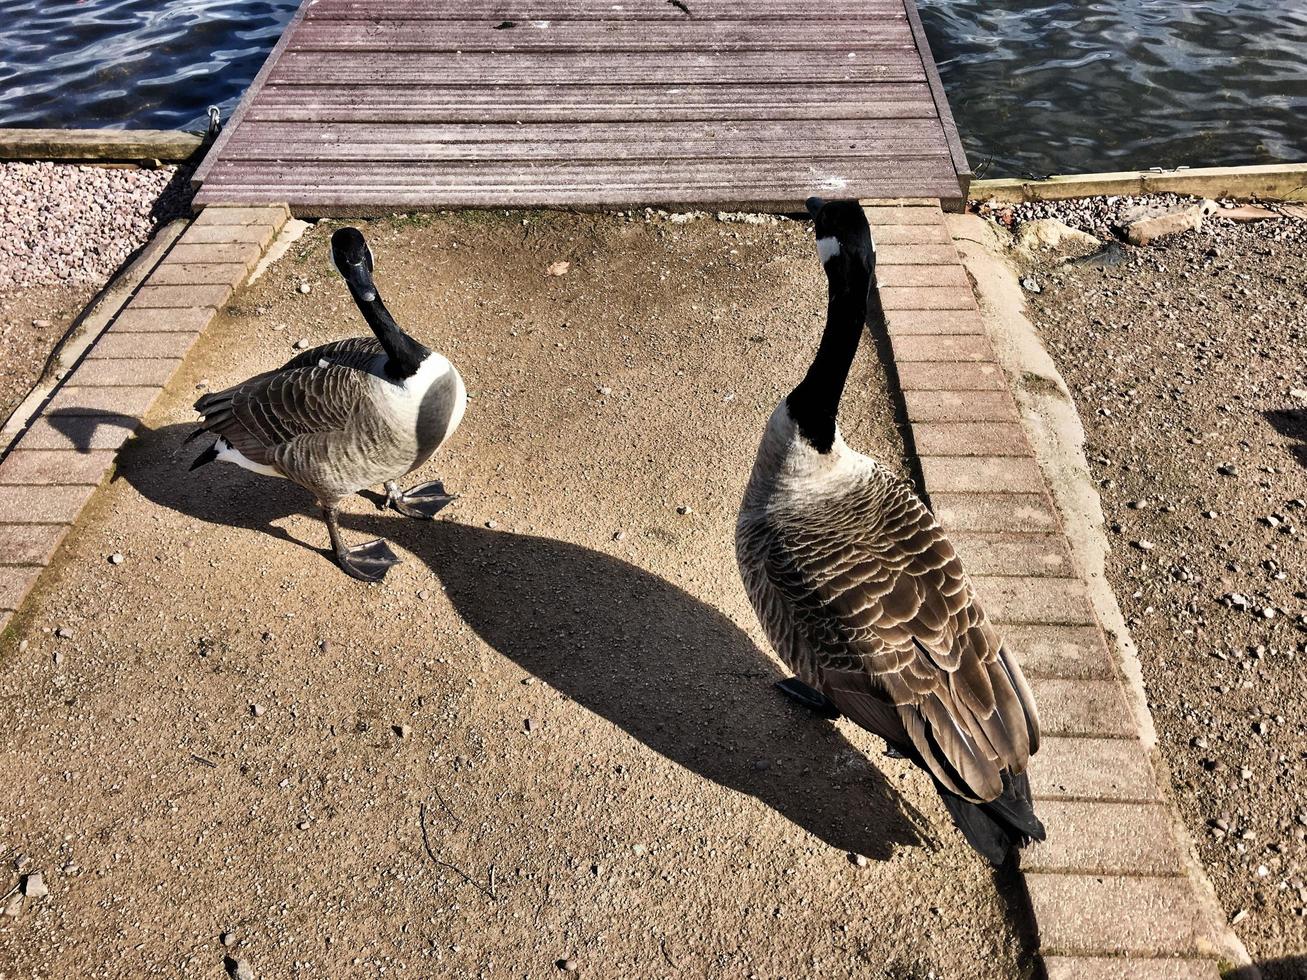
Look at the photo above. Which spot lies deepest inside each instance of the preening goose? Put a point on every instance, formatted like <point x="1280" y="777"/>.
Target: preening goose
<point x="346" y="415"/>
<point x="862" y="595"/>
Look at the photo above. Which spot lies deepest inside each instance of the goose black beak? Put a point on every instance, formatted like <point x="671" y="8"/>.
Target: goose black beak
<point x="359" y="277"/>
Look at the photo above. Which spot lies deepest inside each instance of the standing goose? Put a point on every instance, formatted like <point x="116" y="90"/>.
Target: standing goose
<point x="862" y="595"/>
<point x="345" y="416"/>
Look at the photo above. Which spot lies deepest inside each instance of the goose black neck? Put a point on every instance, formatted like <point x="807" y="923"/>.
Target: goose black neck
<point x="404" y="354"/>
<point x="815" y="403"/>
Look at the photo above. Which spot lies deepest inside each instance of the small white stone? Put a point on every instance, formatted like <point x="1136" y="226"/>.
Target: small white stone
<point x="257" y="710"/>
<point x="305" y="288"/>
<point x="34" y="886"/>
<point x="302" y="344"/>
<point x="116" y="558"/>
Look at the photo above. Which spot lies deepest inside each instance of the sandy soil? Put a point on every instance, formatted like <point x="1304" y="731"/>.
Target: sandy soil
<point x="1189" y="368"/>
<point x="32" y="322"/>
<point x="563" y="682"/>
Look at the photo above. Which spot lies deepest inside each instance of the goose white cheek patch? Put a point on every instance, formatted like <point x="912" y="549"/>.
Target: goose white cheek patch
<point x="827" y="248"/>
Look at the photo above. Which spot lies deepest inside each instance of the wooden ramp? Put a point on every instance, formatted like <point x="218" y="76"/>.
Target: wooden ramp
<point x="367" y="106"/>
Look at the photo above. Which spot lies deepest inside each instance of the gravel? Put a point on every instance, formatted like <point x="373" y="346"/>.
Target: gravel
<point x="1183" y="363"/>
<point x="62" y="224"/>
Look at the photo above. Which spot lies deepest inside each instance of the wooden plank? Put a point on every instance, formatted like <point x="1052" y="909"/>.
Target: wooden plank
<point x="420" y="104"/>
<point x="517" y="11"/>
<point x="539" y="152"/>
<point x="569" y="69"/>
<point x="836" y="131"/>
<point x="621" y="36"/>
<point x="113" y="145"/>
<point x="815" y="175"/>
<point x="251" y="93"/>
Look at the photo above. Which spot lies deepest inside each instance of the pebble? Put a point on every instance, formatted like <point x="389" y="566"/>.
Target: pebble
<point x="403" y="731"/>
<point x="569" y="965"/>
<point x="257" y="710"/>
<point x="64" y="633"/>
<point x="74" y="224"/>
<point x="305" y="289"/>
<point x="34" y="886"/>
<point x="116" y="558"/>
<point x="239" y="969"/>
<point x="859" y="859"/>
<point x="228" y="939"/>
<point x="424" y="594"/>
<point x="619" y="535"/>
<point x="1143" y="545"/>
<point x="302" y="344"/>
<point x="684" y="509"/>
<point x="492" y="524"/>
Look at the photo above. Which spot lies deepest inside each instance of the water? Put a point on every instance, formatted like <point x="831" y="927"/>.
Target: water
<point x="154" y="64"/>
<point x="1037" y="88"/>
<point x="1072" y="87"/>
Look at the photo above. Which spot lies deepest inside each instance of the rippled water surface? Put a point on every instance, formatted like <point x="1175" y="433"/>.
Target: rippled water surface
<point x="155" y="64"/>
<point x="1037" y="88"/>
<point x="1068" y="87"/>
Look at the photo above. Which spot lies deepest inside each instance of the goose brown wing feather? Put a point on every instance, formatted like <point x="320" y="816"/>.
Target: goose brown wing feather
<point x="899" y="641"/>
<point x="266" y="417"/>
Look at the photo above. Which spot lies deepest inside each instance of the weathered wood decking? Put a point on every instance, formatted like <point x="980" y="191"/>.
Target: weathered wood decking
<point x="369" y="105"/>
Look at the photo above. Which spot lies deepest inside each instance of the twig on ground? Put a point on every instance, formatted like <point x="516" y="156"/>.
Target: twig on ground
<point x="426" y="843"/>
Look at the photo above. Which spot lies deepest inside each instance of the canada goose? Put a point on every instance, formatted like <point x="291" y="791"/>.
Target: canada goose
<point x="345" y="416"/>
<point x="862" y="595"/>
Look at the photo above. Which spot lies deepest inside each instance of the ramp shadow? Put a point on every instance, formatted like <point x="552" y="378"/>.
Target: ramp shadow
<point x="1292" y="423"/>
<point x="668" y="669"/>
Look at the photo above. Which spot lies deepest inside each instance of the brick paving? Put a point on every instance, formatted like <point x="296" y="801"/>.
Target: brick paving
<point x="55" y="466"/>
<point x="1108" y="890"/>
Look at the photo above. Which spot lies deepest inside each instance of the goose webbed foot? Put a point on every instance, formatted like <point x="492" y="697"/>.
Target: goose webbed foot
<point x="367" y="562"/>
<point x="422" y="502"/>
<point x="810" y="698"/>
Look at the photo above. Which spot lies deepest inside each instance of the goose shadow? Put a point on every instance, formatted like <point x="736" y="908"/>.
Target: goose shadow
<point x="1288" y="968"/>
<point x="668" y="669"/>
<point x="1291" y="423"/>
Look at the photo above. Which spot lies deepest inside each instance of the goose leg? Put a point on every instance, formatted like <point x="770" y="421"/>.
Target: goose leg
<point x="366" y="562"/>
<point x="423" y="502"/>
<point x="812" y="699"/>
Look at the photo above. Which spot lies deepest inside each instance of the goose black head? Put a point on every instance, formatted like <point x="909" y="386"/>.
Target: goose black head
<point x="353" y="260"/>
<point x="844" y="242"/>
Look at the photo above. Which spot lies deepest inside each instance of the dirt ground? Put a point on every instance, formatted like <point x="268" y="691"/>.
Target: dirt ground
<point x="549" y="735"/>
<point x="1189" y="369"/>
<point x="32" y="322"/>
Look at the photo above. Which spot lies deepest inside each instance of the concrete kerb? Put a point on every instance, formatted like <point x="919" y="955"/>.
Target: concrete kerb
<point x="1057" y="434"/>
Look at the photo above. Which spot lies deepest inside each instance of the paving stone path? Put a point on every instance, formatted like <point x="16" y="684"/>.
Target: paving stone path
<point x="1108" y="892"/>
<point x="55" y="466"/>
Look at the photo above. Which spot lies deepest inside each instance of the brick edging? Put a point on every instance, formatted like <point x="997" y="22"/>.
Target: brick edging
<point x="1108" y="890"/>
<point x="53" y="468"/>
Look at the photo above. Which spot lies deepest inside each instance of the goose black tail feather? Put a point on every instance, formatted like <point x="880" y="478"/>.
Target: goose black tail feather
<point x="1004" y="823"/>
<point x="208" y="456"/>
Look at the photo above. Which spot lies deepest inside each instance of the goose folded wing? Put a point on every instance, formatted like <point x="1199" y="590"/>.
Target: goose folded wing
<point x="354" y="352"/>
<point x="904" y="649"/>
<point x="266" y="414"/>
